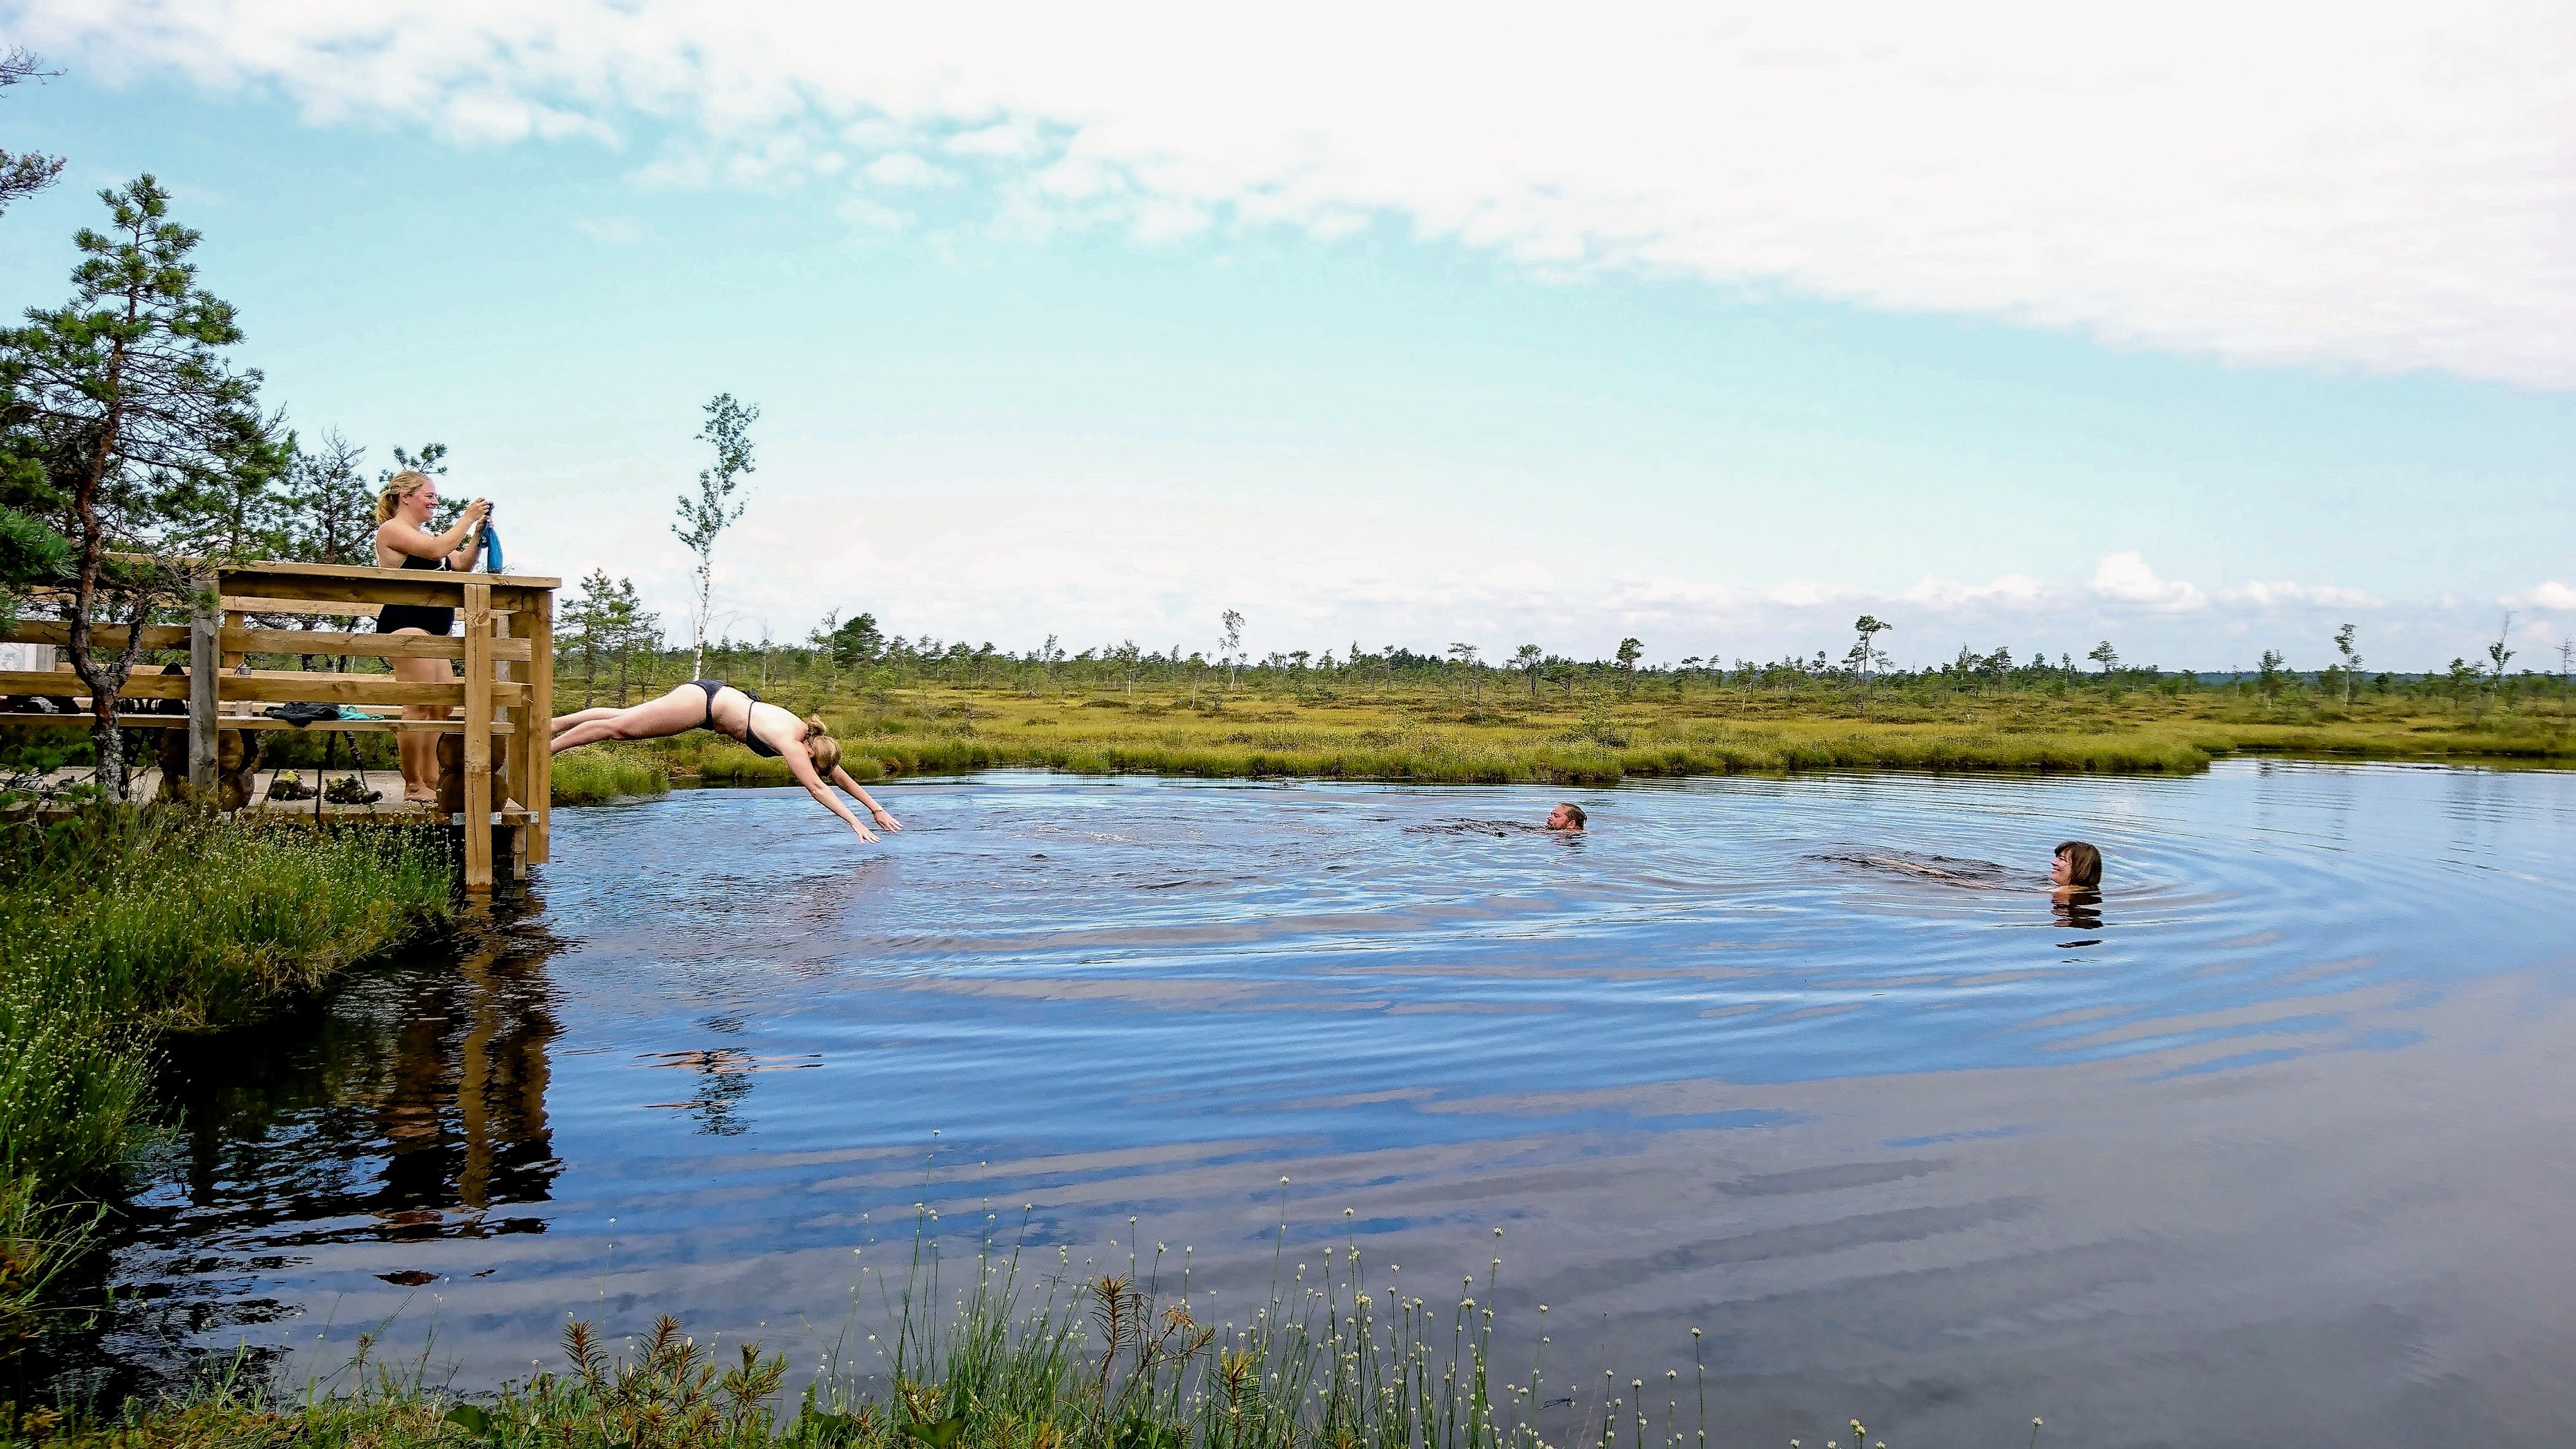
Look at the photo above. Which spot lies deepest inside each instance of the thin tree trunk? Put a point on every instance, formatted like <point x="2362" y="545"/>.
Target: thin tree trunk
<point x="104" y="684"/>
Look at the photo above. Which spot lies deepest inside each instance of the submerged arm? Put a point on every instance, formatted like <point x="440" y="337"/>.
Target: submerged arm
<point x="884" y="818"/>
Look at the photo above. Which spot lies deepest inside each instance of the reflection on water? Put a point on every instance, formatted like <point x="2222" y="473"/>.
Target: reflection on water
<point x="2268" y="1139"/>
<point x="411" y="1108"/>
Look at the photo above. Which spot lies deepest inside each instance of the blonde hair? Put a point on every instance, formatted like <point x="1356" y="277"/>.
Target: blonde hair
<point x="820" y="744"/>
<point x="397" y="488"/>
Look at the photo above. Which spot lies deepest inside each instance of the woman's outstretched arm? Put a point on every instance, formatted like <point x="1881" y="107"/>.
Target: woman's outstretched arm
<point x="402" y="537"/>
<point x="801" y="765"/>
<point x="884" y="818"/>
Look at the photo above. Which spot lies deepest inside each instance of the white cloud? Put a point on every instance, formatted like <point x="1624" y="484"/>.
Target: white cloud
<point x="2126" y="578"/>
<point x="903" y="168"/>
<point x="959" y="561"/>
<point x="2007" y="591"/>
<point x="2552" y="597"/>
<point x="617" y="231"/>
<point x="2373" y="185"/>
<point x="2274" y="595"/>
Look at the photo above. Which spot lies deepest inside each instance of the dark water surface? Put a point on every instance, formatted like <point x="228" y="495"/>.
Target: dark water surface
<point x="2280" y="1147"/>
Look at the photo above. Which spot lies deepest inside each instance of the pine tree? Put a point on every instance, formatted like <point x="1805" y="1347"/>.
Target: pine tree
<point x="127" y="432"/>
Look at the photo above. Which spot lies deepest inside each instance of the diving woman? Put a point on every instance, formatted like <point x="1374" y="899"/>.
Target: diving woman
<point x="806" y="745"/>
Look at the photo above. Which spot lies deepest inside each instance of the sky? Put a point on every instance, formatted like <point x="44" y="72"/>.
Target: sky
<point x="2203" y="330"/>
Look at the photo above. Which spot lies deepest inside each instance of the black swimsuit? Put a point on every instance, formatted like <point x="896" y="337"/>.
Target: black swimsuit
<point x="424" y="617"/>
<point x="750" y="740"/>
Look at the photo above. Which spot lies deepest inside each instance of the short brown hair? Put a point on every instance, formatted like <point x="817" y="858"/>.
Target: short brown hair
<point x="2083" y="863"/>
<point x="1570" y="808"/>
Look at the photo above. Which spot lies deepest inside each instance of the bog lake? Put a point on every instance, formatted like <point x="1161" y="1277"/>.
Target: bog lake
<point x="2277" y="1144"/>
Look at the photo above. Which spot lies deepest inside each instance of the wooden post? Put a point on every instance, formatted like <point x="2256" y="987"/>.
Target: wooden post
<point x="204" y="689"/>
<point x="478" y="737"/>
<point x="514" y="775"/>
<point x="536" y="741"/>
<point x="234" y="660"/>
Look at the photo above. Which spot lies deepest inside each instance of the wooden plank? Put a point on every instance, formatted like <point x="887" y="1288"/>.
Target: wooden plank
<point x="361" y="642"/>
<point x="364" y="573"/>
<point x="245" y="722"/>
<point x="478" y="737"/>
<point x="522" y="763"/>
<point x="60" y="682"/>
<point x="537" y="741"/>
<point x="103" y="636"/>
<point x="287" y="595"/>
<point x="204" y="635"/>
<point x="255" y="604"/>
<point x="84" y="720"/>
<point x="278" y="685"/>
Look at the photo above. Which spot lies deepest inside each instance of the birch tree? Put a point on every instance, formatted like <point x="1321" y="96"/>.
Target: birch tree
<point x="1231" y="642"/>
<point x="703" y="518"/>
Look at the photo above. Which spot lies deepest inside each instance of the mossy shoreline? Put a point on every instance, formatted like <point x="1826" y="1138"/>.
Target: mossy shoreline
<point x="121" y="926"/>
<point x="992" y="1351"/>
<point x="1431" y="739"/>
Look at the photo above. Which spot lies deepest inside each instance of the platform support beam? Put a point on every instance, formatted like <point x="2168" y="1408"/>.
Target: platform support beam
<point x="205" y="629"/>
<point x="478" y="737"/>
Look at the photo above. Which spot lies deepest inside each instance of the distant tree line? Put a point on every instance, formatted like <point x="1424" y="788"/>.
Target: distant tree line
<point x="615" y="649"/>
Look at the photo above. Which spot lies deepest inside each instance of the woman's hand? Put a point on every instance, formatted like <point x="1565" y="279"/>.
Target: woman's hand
<point x="476" y="511"/>
<point x="865" y="833"/>
<point x="885" y="821"/>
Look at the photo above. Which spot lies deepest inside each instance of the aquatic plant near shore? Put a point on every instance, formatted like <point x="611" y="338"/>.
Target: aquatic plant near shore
<point x="120" y="925"/>
<point x="1087" y="1357"/>
<point x="597" y="774"/>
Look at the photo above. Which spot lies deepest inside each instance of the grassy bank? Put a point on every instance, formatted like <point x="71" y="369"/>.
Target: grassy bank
<point x="1430" y="735"/>
<point x="118" y="927"/>
<point x="996" y="1357"/>
<point x="600" y="773"/>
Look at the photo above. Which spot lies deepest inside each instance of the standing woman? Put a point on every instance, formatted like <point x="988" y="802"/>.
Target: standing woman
<point x="809" y="750"/>
<point x="403" y="541"/>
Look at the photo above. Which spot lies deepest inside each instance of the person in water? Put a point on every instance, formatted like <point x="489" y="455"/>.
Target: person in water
<point x="403" y="541"/>
<point x="1566" y="817"/>
<point x="2076" y="869"/>
<point x="811" y="754"/>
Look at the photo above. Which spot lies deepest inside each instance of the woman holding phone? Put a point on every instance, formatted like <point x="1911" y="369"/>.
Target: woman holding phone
<point x="404" y="541"/>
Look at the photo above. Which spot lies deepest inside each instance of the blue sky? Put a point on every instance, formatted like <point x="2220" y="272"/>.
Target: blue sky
<point x="1033" y="361"/>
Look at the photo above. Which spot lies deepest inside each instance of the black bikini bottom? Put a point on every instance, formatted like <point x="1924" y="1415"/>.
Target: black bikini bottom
<point x="750" y="741"/>
<point x="429" y="620"/>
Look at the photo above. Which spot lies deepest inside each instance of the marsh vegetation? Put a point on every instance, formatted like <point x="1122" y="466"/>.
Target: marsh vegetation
<point x="121" y="927"/>
<point x="909" y="706"/>
<point x="1428" y="726"/>
<point x="1053" y="1354"/>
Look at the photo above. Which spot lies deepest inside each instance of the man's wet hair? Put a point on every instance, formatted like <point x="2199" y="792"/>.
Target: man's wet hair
<point x="1580" y="820"/>
<point x="2083" y="863"/>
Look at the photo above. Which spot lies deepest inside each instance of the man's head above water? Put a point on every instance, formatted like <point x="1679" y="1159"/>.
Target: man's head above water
<point x="1565" y="817"/>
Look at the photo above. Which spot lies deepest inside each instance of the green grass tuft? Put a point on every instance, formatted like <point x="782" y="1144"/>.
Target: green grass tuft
<point x="120" y="925"/>
<point x="597" y="774"/>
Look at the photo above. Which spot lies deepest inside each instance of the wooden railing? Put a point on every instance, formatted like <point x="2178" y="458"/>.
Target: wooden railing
<point x="505" y="683"/>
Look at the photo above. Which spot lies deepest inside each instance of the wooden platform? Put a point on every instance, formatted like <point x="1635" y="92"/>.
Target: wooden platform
<point x="145" y="788"/>
<point x="503" y="684"/>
